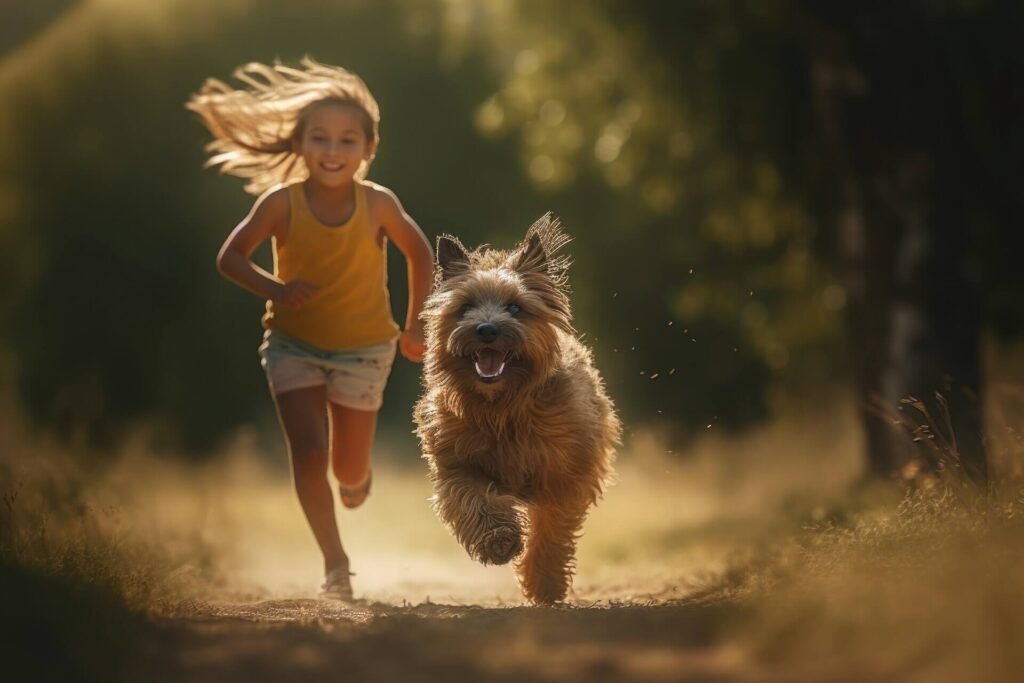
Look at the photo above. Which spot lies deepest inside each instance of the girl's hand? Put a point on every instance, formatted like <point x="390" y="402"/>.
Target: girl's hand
<point x="411" y="344"/>
<point x="295" y="294"/>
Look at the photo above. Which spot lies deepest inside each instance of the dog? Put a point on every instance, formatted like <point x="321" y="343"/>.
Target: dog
<point x="514" y="420"/>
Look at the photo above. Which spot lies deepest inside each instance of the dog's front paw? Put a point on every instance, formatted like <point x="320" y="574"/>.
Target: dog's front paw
<point x="500" y="545"/>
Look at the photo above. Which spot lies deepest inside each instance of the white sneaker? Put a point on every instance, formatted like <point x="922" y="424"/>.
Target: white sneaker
<point x="337" y="585"/>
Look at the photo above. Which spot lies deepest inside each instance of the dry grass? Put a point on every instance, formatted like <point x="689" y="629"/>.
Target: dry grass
<point x="53" y="524"/>
<point x="921" y="588"/>
<point x="752" y="545"/>
<point x="928" y="591"/>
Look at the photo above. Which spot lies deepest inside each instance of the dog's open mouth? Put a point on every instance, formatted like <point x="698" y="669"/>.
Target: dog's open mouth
<point x="489" y="364"/>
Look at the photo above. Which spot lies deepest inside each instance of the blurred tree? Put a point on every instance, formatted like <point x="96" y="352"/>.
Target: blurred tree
<point x="696" y="257"/>
<point x="112" y="310"/>
<point x="905" y="105"/>
<point x="700" y="153"/>
<point x="891" y="126"/>
<point x="23" y="19"/>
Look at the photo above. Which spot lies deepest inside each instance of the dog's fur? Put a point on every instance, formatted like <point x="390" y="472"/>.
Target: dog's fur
<point x="517" y="459"/>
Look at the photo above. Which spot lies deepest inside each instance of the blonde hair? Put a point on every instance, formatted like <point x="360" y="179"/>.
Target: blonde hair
<point x="254" y="128"/>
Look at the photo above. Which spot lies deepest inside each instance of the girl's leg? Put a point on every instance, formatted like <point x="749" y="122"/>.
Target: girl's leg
<point x="352" y="433"/>
<point x="303" y="417"/>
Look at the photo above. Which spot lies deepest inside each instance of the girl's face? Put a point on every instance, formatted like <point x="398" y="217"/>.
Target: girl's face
<point x="334" y="144"/>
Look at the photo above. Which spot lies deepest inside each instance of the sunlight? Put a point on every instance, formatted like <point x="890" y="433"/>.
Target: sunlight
<point x="232" y="529"/>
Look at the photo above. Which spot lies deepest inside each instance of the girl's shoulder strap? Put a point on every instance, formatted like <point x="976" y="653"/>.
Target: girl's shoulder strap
<point x="370" y="194"/>
<point x="362" y="190"/>
<point x="274" y="205"/>
<point x="294" y="194"/>
<point x="362" y="197"/>
<point x="297" y="201"/>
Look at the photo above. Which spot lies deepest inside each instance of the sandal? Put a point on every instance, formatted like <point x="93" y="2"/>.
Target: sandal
<point x="354" y="496"/>
<point x="337" y="585"/>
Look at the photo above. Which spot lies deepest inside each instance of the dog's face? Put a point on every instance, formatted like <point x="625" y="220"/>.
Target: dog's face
<point x="494" y="318"/>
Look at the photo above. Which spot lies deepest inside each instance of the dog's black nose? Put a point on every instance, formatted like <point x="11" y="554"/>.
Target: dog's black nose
<point x="488" y="332"/>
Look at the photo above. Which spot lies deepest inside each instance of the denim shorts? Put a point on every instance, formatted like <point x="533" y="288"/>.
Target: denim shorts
<point x="354" y="378"/>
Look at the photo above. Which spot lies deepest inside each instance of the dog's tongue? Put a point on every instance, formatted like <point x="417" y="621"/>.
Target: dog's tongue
<point x="489" y="363"/>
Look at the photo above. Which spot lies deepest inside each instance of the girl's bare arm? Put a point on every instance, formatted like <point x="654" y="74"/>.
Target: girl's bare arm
<point x="413" y="244"/>
<point x="269" y="216"/>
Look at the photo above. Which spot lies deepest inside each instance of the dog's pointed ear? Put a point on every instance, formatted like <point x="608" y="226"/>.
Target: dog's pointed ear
<point x="530" y="256"/>
<point x="539" y="252"/>
<point x="451" y="257"/>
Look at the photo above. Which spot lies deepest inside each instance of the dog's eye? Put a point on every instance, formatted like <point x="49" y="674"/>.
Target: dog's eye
<point x="513" y="309"/>
<point x="464" y="309"/>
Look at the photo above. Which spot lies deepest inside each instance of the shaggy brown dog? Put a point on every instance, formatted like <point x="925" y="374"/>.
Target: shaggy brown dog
<point x="514" y="421"/>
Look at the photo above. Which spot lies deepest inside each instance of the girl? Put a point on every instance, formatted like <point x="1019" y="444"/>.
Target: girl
<point x="305" y="139"/>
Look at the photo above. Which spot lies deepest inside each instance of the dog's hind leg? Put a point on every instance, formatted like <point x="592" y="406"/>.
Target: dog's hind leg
<point x="545" y="571"/>
<point x="487" y="524"/>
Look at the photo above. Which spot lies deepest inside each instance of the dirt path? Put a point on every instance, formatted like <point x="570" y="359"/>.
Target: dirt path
<point x="314" y="640"/>
<point x="429" y="613"/>
<point x="223" y="585"/>
<point x="245" y="570"/>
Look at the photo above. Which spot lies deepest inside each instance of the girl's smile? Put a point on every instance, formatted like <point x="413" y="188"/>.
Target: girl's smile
<point x="334" y="144"/>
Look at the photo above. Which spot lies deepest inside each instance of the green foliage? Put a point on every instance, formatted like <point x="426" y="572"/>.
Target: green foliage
<point x="676" y="140"/>
<point x="670" y="117"/>
<point x="115" y="311"/>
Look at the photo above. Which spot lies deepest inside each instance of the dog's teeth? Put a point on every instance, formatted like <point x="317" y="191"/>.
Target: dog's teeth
<point x="489" y="364"/>
<point x="488" y="375"/>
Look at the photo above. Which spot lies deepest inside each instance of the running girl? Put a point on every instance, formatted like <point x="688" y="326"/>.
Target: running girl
<point x="305" y="138"/>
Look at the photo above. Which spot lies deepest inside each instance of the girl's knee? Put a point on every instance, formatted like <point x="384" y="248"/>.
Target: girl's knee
<point x="349" y="463"/>
<point x="351" y="471"/>
<point x="351" y="476"/>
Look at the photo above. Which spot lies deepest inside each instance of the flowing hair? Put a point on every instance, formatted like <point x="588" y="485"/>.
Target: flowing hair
<point x="254" y="128"/>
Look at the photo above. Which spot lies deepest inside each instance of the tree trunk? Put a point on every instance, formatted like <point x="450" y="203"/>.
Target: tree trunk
<point x="903" y="252"/>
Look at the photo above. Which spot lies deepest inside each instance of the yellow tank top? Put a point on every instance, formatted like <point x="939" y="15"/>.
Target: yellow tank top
<point x="352" y="308"/>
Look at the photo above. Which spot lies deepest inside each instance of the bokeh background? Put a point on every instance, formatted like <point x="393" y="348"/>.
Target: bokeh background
<point x="797" y="261"/>
<point x="777" y="206"/>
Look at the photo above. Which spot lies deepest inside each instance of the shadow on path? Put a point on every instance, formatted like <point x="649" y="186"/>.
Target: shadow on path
<point x="307" y="640"/>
